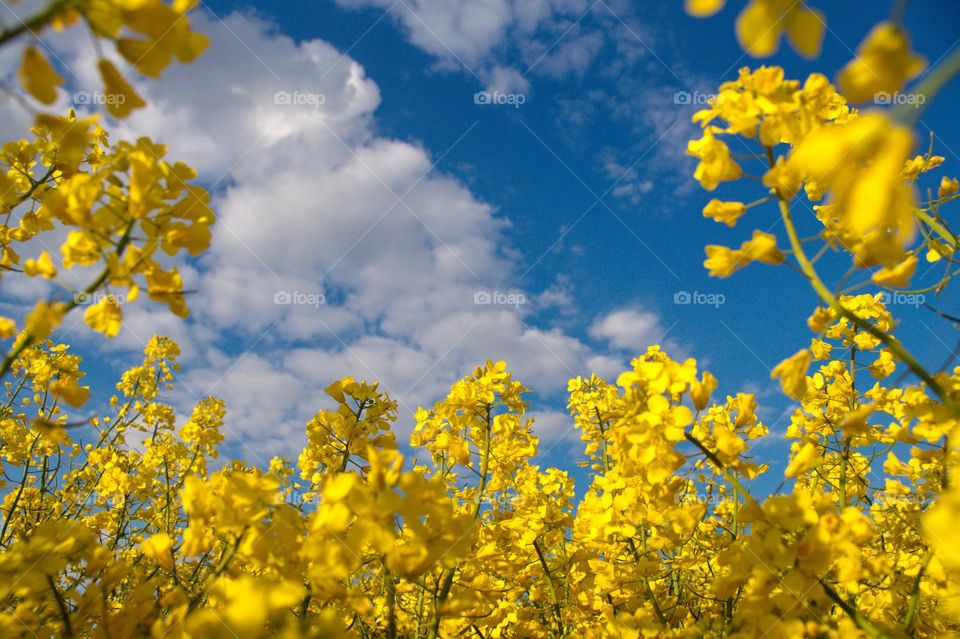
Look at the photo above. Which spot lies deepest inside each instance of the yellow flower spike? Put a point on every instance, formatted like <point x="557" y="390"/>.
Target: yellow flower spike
<point x="69" y="390"/>
<point x="792" y="373"/>
<point x="896" y="276"/>
<point x="936" y="250"/>
<point x="72" y="201"/>
<point x="762" y="23"/>
<point x="726" y="212"/>
<point x="762" y="248"/>
<point x="723" y="261"/>
<point x="195" y="238"/>
<point x="920" y="164"/>
<point x="167" y="286"/>
<point x="42" y="266"/>
<point x="700" y="391"/>
<point x="159" y="548"/>
<point x="43" y="319"/>
<point x="860" y="163"/>
<point x="121" y="97"/>
<point x="746" y="405"/>
<point x="783" y="179"/>
<point x="883" y="64"/>
<point x="8" y="327"/>
<point x="9" y="191"/>
<point x="819" y="319"/>
<point x="948" y="186"/>
<point x="855" y="423"/>
<point x="106" y="316"/>
<point x="805" y="30"/>
<point x="806" y="458"/>
<point x="38" y="76"/>
<point x="820" y="349"/>
<point x="168" y="35"/>
<point x="702" y="8"/>
<point x="52" y="430"/>
<point x="80" y="248"/>
<point x="883" y="366"/>
<point x="715" y="164"/>
<point x="940" y="526"/>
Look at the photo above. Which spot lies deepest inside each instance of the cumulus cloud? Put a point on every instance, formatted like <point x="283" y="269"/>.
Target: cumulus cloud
<point x="628" y="329"/>
<point x="620" y="62"/>
<point x="339" y="251"/>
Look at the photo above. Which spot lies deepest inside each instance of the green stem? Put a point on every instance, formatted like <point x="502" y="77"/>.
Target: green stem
<point x="862" y="622"/>
<point x="36" y="22"/>
<point x="934" y="224"/>
<point x="911" y="617"/>
<point x="827" y="296"/>
<point x="29" y="339"/>
<point x="64" y="613"/>
<point x="553" y="590"/>
<point x="481" y="488"/>
<point x="734" y="481"/>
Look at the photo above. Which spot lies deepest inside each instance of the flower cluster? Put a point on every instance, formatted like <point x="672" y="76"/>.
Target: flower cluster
<point x="130" y="529"/>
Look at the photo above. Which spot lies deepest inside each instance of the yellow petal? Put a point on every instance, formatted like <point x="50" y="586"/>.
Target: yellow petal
<point x="120" y="96"/>
<point x="759" y="28"/>
<point x="159" y="548"/>
<point x="792" y="373"/>
<point x="43" y="319"/>
<point x="805" y="29"/>
<point x="105" y="316"/>
<point x="896" y="276"/>
<point x="807" y="457"/>
<point x="42" y="266"/>
<point x="38" y="76"/>
<point x="703" y="8"/>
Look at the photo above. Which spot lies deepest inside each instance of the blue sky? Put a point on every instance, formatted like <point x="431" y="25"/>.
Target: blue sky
<point x="579" y="200"/>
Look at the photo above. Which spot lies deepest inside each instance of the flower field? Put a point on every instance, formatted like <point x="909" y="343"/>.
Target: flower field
<point x="137" y="521"/>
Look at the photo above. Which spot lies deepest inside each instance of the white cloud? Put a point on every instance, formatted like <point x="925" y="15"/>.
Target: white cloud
<point x="556" y="432"/>
<point x="464" y="30"/>
<point x="506" y="80"/>
<point x="312" y="200"/>
<point x="479" y="35"/>
<point x="628" y="329"/>
<point x="624" y="67"/>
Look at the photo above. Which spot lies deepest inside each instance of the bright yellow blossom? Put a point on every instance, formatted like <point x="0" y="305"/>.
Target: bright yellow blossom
<point x="884" y="63"/>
